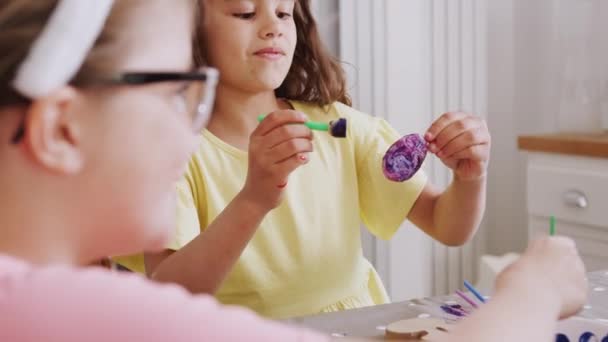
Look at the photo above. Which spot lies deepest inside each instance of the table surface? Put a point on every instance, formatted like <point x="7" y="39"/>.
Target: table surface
<point x="371" y="321"/>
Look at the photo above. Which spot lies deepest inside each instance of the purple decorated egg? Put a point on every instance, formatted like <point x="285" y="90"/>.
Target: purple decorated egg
<point x="404" y="158"/>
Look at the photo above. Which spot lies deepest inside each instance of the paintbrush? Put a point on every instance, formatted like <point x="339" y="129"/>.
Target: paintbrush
<point x="336" y="128"/>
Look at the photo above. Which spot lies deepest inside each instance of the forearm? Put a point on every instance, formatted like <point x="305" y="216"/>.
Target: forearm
<point x="458" y="211"/>
<point x="510" y="315"/>
<point x="203" y="264"/>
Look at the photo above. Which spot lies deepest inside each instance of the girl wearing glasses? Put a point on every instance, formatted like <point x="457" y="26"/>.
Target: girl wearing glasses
<point x="98" y="113"/>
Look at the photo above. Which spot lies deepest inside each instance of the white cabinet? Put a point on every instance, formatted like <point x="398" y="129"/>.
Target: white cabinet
<point x="575" y="190"/>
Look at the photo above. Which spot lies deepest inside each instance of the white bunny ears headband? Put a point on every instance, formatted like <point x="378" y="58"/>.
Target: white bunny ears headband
<point x="63" y="45"/>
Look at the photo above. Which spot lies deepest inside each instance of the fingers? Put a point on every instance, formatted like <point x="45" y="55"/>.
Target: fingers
<point x="278" y="119"/>
<point x="463" y="150"/>
<point x="470" y="129"/>
<point x="290" y="148"/>
<point x="287" y="166"/>
<point x="285" y="133"/>
<point x="440" y="124"/>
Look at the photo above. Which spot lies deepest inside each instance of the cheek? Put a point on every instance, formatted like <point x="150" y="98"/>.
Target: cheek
<point x="146" y="137"/>
<point x="152" y="161"/>
<point x="106" y="138"/>
<point x="171" y="143"/>
<point x="136" y="152"/>
<point x="292" y="37"/>
<point x="163" y="127"/>
<point x="226" y="40"/>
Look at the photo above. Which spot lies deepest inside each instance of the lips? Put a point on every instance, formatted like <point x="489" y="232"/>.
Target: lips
<point x="270" y="53"/>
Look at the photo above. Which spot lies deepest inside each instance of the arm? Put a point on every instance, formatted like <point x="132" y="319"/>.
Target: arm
<point x="276" y="149"/>
<point x="451" y="217"/>
<point x="547" y="283"/>
<point x="202" y="265"/>
<point x="462" y="142"/>
<point x="511" y="315"/>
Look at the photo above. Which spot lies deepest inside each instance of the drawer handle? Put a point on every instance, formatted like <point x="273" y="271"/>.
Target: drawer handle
<point x="576" y="199"/>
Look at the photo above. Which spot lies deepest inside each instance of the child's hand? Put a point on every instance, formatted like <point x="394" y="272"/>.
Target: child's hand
<point x="276" y="148"/>
<point x="462" y="142"/>
<point x="549" y="266"/>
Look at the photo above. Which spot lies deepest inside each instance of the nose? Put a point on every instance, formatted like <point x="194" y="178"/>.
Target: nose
<point x="271" y="27"/>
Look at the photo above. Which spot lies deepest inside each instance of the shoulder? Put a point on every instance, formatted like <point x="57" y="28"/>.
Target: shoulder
<point x="69" y="304"/>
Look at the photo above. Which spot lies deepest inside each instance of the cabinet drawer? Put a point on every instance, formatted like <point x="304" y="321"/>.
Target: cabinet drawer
<point x="592" y="242"/>
<point x="571" y="194"/>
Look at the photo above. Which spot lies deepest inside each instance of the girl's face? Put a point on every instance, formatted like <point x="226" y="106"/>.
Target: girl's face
<point x="137" y="140"/>
<point x="251" y="42"/>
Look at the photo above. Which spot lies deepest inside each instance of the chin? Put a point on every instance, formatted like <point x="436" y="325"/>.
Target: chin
<point x="160" y="228"/>
<point x="267" y="85"/>
<point x="159" y="237"/>
<point x="270" y="82"/>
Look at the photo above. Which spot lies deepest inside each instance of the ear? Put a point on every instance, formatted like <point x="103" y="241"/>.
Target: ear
<point x="52" y="132"/>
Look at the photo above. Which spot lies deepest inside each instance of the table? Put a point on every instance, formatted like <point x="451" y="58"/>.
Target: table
<point x="370" y="321"/>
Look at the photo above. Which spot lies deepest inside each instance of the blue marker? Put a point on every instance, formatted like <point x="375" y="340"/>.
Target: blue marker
<point x="474" y="291"/>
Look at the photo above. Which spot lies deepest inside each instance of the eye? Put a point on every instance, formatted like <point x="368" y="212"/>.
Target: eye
<point x="284" y="15"/>
<point x="182" y="89"/>
<point x="179" y="99"/>
<point x="244" y="16"/>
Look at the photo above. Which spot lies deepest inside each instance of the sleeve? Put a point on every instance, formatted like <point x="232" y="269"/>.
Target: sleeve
<point x="188" y="210"/>
<point x="384" y="204"/>
<point x="67" y="305"/>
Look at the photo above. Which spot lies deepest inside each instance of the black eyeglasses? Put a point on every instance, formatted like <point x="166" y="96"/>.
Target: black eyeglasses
<point x="198" y="92"/>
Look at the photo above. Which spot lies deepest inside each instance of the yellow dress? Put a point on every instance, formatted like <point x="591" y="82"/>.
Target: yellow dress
<point x="306" y="256"/>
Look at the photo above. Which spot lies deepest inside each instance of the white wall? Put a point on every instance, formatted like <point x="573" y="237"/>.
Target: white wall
<point x="326" y="13"/>
<point x="505" y="214"/>
<point x="525" y="68"/>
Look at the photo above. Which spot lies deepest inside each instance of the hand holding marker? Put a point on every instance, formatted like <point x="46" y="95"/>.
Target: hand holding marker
<point x="472" y="288"/>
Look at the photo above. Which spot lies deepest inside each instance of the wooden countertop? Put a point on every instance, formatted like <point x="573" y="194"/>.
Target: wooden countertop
<point x="580" y="144"/>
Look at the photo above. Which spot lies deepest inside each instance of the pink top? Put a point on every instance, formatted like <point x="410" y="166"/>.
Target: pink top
<point x="59" y="303"/>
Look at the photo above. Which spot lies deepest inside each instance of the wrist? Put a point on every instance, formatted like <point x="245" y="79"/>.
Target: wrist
<point x="471" y="179"/>
<point x="531" y="289"/>
<point x="249" y="203"/>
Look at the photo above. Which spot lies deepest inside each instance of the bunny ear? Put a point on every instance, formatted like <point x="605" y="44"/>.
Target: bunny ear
<point x="58" y="53"/>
